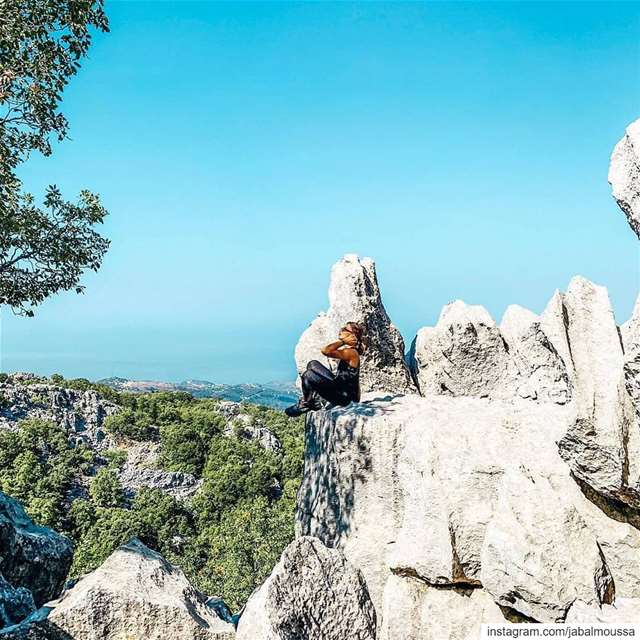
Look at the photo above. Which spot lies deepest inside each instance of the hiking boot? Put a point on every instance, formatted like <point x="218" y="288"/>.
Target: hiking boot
<point x="296" y="410"/>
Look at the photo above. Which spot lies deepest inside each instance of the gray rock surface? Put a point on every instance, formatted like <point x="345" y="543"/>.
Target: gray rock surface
<point x="414" y="610"/>
<point x="354" y="295"/>
<point x="630" y="333"/>
<point x="81" y="413"/>
<point x="38" y="629"/>
<point x="466" y="354"/>
<point x="32" y="557"/>
<point x="141" y="469"/>
<point x="15" y="604"/>
<point x="625" y="611"/>
<point x="462" y="493"/>
<point x="602" y="446"/>
<point x="246" y="426"/>
<point x="136" y="594"/>
<point x="624" y="175"/>
<point x="313" y="593"/>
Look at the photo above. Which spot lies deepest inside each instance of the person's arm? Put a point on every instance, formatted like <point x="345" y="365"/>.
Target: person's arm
<point x="338" y="351"/>
<point x="333" y="350"/>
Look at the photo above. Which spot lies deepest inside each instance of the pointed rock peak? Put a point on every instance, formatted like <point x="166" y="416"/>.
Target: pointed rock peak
<point x="579" y="284"/>
<point x="137" y="593"/>
<point x="458" y="312"/>
<point x="590" y="301"/>
<point x="624" y="175"/>
<point x="353" y="278"/>
<point x="354" y="295"/>
<point x="555" y="304"/>
<point x="516" y="321"/>
<point x="135" y="546"/>
<point x="554" y="322"/>
<point x="313" y="591"/>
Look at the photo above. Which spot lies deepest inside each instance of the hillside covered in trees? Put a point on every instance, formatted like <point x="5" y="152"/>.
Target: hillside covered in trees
<point x="243" y="462"/>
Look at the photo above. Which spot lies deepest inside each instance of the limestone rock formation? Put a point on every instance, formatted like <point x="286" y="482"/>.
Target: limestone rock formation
<point x="625" y="611"/>
<point x="141" y="469"/>
<point x="136" y="594"/>
<point x="81" y="413"/>
<point x="630" y="330"/>
<point x="15" y="604"/>
<point x="354" y="296"/>
<point x="246" y="426"/>
<point x="466" y="354"/>
<point x="32" y="557"/>
<point x="35" y="629"/>
<point x="466" y="494"/>
<point x="624" y="175"/>
<point x="414" y="610"/>
<point x="630" y="333"/>
<point x="313" y="593"/>
<point x="602" y="446"/>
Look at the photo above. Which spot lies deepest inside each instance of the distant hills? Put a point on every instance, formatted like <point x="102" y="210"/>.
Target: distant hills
<point x="272" y="394"/>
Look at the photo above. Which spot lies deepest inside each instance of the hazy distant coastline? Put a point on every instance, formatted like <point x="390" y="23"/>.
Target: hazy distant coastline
<point x="272" y="394"/>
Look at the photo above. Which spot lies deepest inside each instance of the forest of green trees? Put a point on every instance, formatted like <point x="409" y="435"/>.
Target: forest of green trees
<point x="227" y="538"/>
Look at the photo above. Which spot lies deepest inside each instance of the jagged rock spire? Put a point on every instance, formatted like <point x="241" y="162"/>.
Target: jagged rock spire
<point x="354" y="295"/>
<point x="624" y="175"/>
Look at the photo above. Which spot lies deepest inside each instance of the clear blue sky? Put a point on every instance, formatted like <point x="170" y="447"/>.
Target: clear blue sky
<point x="243" y="148"/>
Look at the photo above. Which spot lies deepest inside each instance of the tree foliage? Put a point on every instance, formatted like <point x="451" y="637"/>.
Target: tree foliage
<point x="106" y="490"/>
<point x="46" y="250"/>
<point x="227" y="538"/>
<point x="41" y="45"/>
<point x="43" y="250"/>
<point x="39" y="466"/>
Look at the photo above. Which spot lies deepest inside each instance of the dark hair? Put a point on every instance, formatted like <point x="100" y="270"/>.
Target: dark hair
<point x="357" y="329"/>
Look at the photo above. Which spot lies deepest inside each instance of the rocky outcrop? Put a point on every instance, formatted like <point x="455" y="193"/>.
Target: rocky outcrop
<point x="414" y="610"/>
<point x="141" y="469"/>
<point x="354" y="295"/>
<point x="624" y="175"/>
<point x="466" y="354"/>
<point x="81" y="413"/>
<point x="35" y="628"/>
<point x="602" y="446"/>
<point x="630" y="333"/>
<point x="462" y="493"/>
<point x="245" y="426"/>
<point x="136" y="594"/>
<point x="572" y="353"/>
<point x="313" y="593"/>
<point x="625" y="611"/>
<point x="32" y="557"/>
<point x="15" y="604"/>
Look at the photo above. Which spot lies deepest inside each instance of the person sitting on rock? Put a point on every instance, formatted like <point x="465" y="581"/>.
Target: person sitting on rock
<point x="339" y="388"/>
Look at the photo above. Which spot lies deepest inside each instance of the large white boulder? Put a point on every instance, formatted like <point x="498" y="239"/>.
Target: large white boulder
<point x="539" y="554"/>
<point x="354" y="295"/>
<point x="414" y="610"/>
<point x="625" y="611"/>
<point x="462" y="493"/>
<point x="467" y="354"/>
<point x="313" y="593"/>
<point x="624" y="174"/>
<point x="136" y="594"/>
<point x="602" y="446"/>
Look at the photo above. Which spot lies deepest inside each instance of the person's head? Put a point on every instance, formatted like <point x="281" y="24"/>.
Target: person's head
<point x="352" y="334"/>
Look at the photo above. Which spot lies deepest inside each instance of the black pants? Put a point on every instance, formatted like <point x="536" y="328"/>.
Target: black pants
<point x="318" y="379"/>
